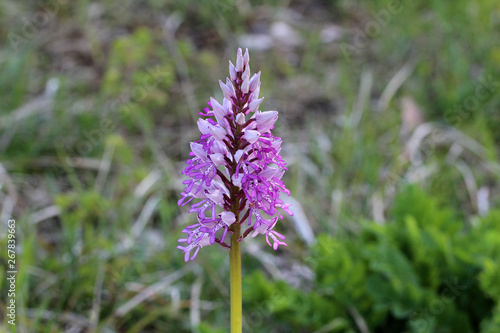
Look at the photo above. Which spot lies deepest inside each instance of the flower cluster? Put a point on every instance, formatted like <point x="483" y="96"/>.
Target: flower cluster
<point x="235" y="168"/>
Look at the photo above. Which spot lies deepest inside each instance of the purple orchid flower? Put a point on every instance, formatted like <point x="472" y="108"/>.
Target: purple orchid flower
<point x="235" y="168"/>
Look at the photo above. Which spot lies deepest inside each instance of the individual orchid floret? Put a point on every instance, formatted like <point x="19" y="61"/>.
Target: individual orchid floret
<point x="246" y="58"/>
<point x="219" y="133"/>
<point x="245" y="86"/>
<point x="227" y="89"/>
<point x="232" y="71"/>
<point x="239" y="61"/>
<point x="235" y="168"/>
<point x="240" y="118"/>
<point x="265" y="120"/>
<point x="254" y="104"/>
<point x="251" y="136"/>
<point x="254" y="81"/>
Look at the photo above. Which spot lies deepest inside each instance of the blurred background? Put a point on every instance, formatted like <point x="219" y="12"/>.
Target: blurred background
<point x="390" y="117"/>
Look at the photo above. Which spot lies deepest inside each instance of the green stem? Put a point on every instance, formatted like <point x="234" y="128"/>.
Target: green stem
<point x="235" y="280"/>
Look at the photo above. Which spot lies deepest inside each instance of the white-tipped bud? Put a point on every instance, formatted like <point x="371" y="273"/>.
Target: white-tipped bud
<point x="218" y="132"/>
<point x="219" y="111"/>
<point x="251" y="136"/>
<point x="216" y="106"/>
<point x="239" y="61"/>
<point x="246" y="73"/>
<point x="232" y="71"/>
<point x="227" y="105"/>
<point x="252" y="107"/>
<point x="265" y="120"/>
<point x="255" y="81"/>
<point x="203" y="126"/>
<point x="255" y="93"/>
<point x="227" y="89"/>
<point x="246" y="58"/>
<point x="198" y="150"/>
<point x="230" y="86"/>
<point x="245" y="85"/>
<point x="240" y="119"/>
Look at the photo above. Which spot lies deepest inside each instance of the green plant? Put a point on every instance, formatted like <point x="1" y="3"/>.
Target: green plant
<point x="421" y="272"/>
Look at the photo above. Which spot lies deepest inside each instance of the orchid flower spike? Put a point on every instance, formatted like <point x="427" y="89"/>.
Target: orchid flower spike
<point x="235" y="169"/>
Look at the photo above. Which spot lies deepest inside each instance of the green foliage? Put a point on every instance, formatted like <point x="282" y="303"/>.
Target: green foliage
<point x="420" y="272"/>
<point x="138" y="77"/>
<point x="272" y="305"/>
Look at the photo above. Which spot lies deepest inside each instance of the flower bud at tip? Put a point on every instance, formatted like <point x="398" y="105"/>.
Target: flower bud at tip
<point x="240" y="119"/>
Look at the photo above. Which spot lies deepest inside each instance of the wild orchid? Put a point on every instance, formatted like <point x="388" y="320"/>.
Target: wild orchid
<point x="235" y="172"/>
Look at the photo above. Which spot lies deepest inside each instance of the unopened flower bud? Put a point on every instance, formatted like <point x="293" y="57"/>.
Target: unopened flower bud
<point x="245" y="86"/>
<point x="252" y="107"/>
<point x="240" y="118"/>
<point x="246" y="58"/>
<point x="232" y="71"/>
<point x="239" y="61"/>
<point x="255" y="81"/>
<point x="219" y="111"/>
<point x="227" y="89"/>
<point x="218" y="132"/>
<point x="246" y="73"/>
